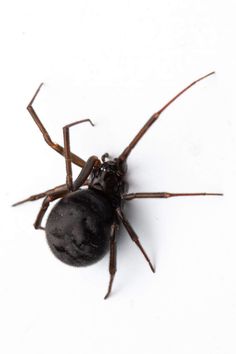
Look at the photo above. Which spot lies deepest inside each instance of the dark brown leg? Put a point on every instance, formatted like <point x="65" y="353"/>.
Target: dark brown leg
<point x="34" y="197"/>
<point x="61" y="191"/>
<point x="112" y="262"/>
<point x="153" y="118"/>
<point x="133" y="236"/>
<point x="82" y="179"/>
<point x="131" y="196"/>
<point x="68" y="156"/>
<point x="51" y="197"/>
<point x="74" y="158"/>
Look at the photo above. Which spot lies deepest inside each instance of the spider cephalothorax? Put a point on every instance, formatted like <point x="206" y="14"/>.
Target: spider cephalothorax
<point x="109" y="178"/>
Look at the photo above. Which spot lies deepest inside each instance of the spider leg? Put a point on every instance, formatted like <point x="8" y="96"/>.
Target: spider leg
<point x="82" y="179"/>
<point x="41" y="195"/>
<point x="68" y="157"/>
<point x="49" y="198"/>
<point x="112" y="261"/>
<point x="133" y="236"/>
<point x="124" y="155"/>
<point x="131" y="196"/>
<point x="74" y="158"/>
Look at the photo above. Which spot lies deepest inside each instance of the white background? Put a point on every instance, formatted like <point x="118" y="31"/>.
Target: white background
<point x="117" y="62"/>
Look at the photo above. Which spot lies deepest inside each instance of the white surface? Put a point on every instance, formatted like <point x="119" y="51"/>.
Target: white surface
<point x="117" y="63"/>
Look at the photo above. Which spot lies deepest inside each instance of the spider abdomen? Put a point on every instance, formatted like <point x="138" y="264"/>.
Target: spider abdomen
<point x="78" y="227"/>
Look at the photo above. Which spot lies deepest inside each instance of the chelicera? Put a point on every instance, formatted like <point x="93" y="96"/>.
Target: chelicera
<point x="82" y="226"/>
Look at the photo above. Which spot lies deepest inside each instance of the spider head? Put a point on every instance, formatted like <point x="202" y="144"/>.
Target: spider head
<point x="109" y="176"/>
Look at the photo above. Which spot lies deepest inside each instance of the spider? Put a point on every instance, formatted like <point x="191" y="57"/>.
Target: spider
<point x="82" y="226"/>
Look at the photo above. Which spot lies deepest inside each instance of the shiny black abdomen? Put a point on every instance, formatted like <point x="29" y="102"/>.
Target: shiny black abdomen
<point x="78" y="227"/>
